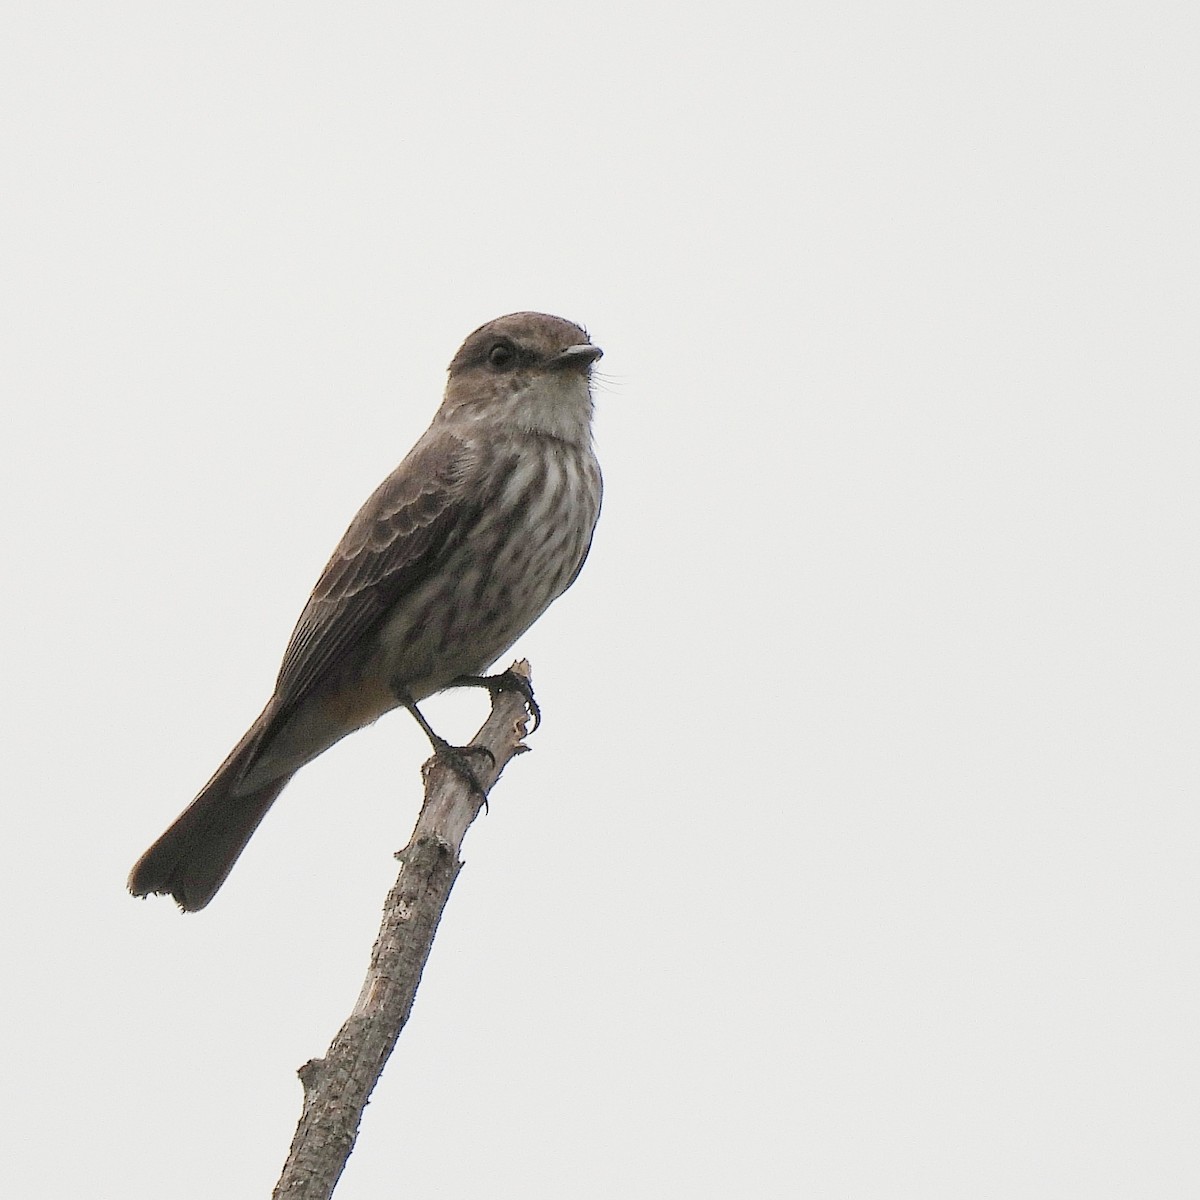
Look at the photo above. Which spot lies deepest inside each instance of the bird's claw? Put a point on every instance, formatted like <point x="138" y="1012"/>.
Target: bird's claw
<point x="505" y="681"/>
<point x="456" y="758"/>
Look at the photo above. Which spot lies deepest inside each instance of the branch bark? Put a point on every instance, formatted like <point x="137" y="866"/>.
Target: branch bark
<point x="337" y="1087"/>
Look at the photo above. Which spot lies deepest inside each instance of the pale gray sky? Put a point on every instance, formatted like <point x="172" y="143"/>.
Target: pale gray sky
<point x="858" y="853"/>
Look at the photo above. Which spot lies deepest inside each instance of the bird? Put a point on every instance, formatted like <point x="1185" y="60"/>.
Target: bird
<point x="486" y="521"/>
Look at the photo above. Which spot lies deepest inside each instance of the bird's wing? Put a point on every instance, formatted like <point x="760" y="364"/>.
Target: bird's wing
<point x="393" y="543"/>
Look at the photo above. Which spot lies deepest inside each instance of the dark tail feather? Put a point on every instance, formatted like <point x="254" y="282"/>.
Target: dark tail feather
<point x="192" y="859"/>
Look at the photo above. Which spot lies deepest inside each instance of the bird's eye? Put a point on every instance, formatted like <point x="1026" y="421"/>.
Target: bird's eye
<point x="502" y="355"/>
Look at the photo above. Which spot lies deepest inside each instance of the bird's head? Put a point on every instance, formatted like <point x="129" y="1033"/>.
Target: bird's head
<point x="527" y="369"/>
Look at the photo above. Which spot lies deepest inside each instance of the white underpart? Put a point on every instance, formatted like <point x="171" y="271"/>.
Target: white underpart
<point x="558" y="404"/>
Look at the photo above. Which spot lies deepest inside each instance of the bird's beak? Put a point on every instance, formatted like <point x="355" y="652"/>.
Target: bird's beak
<point x="575" y="356"/>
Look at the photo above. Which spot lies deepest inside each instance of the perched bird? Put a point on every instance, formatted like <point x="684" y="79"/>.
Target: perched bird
<point x="454" y="556"/>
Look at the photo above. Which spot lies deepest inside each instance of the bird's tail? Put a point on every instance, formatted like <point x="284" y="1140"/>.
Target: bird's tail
<point x="192" y="859"/>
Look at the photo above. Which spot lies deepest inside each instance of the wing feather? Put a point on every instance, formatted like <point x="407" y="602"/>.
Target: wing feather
<point x="395" y="541"/>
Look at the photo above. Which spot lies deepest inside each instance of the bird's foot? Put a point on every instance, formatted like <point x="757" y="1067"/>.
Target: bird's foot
<point x="505" y="681"/>
<point x="457" y="758"/>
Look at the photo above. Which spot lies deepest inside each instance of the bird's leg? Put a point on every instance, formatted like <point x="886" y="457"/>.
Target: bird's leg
<point x="505" y="681"/>
<point x="454" y="757"/>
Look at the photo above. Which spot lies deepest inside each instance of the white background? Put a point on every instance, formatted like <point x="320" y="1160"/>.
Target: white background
<point x="858" y="853"/>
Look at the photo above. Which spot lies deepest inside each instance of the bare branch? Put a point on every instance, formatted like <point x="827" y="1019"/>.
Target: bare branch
<point x="337" y="1087"/>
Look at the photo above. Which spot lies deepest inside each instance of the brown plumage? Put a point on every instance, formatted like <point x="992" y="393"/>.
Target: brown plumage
<point x="486" y="521"/>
